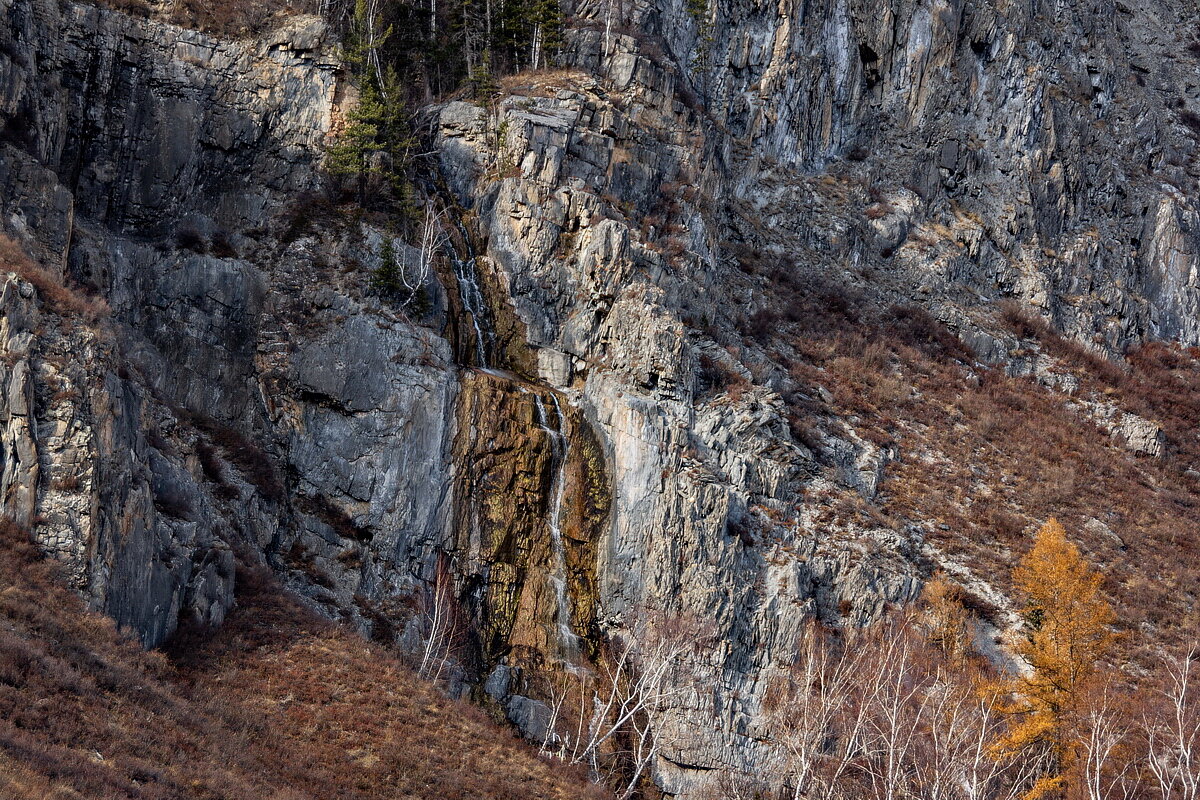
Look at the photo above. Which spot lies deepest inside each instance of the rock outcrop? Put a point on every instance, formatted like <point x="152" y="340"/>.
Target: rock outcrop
<point x="591" y="424"/>
<point x="121" y="136"/>
<point x="944" y="154"/>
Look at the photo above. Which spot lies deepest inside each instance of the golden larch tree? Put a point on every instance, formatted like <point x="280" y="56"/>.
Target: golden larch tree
<point x="1068" y="630"/>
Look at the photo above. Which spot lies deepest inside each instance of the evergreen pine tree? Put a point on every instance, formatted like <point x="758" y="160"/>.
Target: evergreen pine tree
<point x="483" y="84"/>
<point x="375" y="146"/>
<point x="387" y="280"/>
<point x="353" y="153"/>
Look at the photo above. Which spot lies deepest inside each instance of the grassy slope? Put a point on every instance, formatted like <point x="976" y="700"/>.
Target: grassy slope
<point x="985" y="458"/>
<point x="279" y="704"/>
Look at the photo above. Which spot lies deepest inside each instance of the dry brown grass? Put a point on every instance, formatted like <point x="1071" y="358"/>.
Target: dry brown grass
<point x="18" y="782"/>
<point x="542" y="82"/>
<point x="991" y="456"/>
<point x="1009" y="454"/>
<point x="62" y="297"/>
<point x="224" y="18"/>
<point x="135" y="8"/>
<point x="1068" y="351"/>
<point x="279" y="703"/>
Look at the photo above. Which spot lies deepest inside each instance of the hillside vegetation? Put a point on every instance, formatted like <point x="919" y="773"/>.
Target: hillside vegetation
<point x="279" y="703"/>
<point x="988" y="452"/>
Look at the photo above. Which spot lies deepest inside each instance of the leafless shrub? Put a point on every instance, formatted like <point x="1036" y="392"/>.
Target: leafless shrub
<point x="593" y="710"/>
<point x="210" y="463"/>
<point x="136" y="8"/>
<point x="249" y="458"/>
<point x="173" y="503"/>
<point x="1026" y="326"/>
<point x="342" y="524"/>
<point x="189" y="238"/>
<point x="916" y="327"/>
<point x="234" y="18"/>
<point x="1171" y="728"/>
<point x="305" y="212"/>
<point x="440" y="625"/>
<point x="1190" y="119"/>
<point x="222" y="246"/>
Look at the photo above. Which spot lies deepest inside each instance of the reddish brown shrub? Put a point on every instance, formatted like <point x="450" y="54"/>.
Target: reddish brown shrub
<point x="188" y="238"/>
<point x="249" y="458"/>
<point x="916" y="327"/>
<point x="136" y="8"/>
<point x="1027" y="326"/>
<point x="320" y="507"/>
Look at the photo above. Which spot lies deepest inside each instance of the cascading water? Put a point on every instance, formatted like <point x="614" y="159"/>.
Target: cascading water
<point x="568" y="642"/>
<point x="467" y="274"/>
<point x="485" y="358"/>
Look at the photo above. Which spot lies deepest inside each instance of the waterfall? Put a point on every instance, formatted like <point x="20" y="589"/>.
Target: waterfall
<point x="467" y="275"/>
<point x="472" y="299"/>
<point x="551" y="421"/>
<point x="567" y="640"/>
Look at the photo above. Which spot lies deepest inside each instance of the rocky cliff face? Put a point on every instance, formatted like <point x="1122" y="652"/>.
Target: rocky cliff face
<point x="600" y="418"/>
<point x="234" y="394"/>
<point x="946" y="154"/>
<point x="118" y="134"/>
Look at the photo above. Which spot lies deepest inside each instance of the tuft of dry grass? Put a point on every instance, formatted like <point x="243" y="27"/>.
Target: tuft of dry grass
<point x="67" y="300"/>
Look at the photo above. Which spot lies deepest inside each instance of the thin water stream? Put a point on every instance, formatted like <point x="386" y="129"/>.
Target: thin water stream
<point x="467" y="274"/>
<point x="475" y="304"/>
<point x="567" y="640"/>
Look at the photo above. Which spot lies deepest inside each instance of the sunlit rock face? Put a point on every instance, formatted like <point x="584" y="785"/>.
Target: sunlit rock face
<point x="946" y="154"/>
<point x="588" y="425"/>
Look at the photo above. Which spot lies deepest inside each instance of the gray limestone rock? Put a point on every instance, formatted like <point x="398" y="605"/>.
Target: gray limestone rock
<point x="248" y="390"/>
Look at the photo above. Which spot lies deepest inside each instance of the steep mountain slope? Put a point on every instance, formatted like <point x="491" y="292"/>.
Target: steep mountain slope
<point x="280" y="703"/>
<point x="769" y="249"/>
<point x="752" y="312"/>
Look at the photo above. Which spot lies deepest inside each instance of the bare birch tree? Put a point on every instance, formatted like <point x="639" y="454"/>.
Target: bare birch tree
<point x="606" y="718"/>
<point x="894" y="688"/>
<point x="882" y="713"/>
<point x="1106" y="771"/>
<point x="805" y="707"/>
<point x="1172" y="732"/>
<point x="438" y="630"/>
<point x="433" y="238"/>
